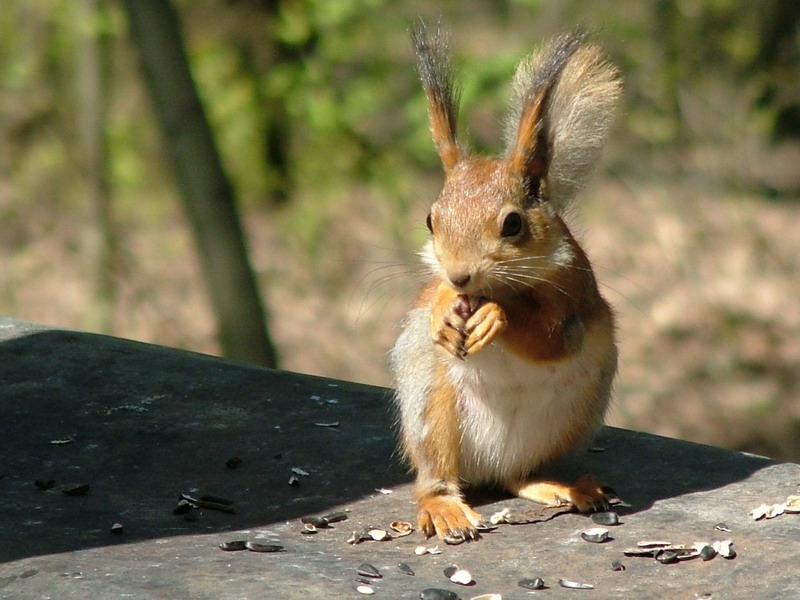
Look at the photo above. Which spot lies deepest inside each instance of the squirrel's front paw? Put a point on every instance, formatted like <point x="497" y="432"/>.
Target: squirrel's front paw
<point x="448" y="517"/>
<point x="448" y="328"/>
<point x="483" y="326"/>
<point x="463" y="329"/>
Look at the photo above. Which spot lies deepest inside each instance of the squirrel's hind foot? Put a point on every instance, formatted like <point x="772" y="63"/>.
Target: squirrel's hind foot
<point x="586" y="495"/>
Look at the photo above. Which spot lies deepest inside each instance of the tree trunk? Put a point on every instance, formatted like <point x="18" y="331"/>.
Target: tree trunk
<point x="206" y="191"/>
<point x="98" y="236"/>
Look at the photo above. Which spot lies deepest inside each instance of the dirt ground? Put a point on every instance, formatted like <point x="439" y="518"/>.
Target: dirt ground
<point x="706" y="286"/>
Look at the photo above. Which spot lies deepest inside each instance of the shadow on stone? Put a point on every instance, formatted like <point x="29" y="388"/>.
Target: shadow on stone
<point x="141" y="424"/>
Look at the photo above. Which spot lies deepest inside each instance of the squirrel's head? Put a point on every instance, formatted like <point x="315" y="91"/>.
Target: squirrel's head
<point x="496" y="225"/>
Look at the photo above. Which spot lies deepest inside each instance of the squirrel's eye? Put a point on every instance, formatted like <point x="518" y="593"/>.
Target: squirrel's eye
<point x="429" y="223"/>
<point x="512" y="225"/>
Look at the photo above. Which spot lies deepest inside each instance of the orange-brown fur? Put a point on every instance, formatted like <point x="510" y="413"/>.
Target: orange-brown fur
<point x="512" y="323"/>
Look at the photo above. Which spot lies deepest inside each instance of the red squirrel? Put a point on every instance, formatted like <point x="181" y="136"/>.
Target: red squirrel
<point x="506" y="361"/>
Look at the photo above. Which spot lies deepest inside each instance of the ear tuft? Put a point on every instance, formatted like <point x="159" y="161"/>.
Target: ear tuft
<point x="563" y="102"/>
<point x="436" y="72"/>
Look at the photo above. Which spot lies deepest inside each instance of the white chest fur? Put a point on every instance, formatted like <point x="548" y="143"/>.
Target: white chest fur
<point x="516" y="415"/>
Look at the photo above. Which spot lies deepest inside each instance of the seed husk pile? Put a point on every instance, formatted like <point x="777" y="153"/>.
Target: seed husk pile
<point x="668" y="553"/>
<point x="396" y="529"/>
<point x="770" y="511"/>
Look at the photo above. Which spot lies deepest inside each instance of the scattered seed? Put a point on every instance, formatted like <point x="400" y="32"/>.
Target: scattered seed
<point x="331" y="424"/>
<point x="384" y="491"/>
<point x="792" y="504"/>
<point x="366" y="589"/>
<point x="117" y="528"/>
<point x="233" y="546"/>
<point x="367" y="570"/>
<point x="401" y="528"/>
<point x="437" y="594"/>
<point x="725" y="549"/>
<point x="233" y="462"/>
<point x="448" y="571"/>
<point x="256" y="547"/>
<point x="606" y="518"/>
<point x="75" y="489"/>
<point x="308" y="529"/>
<point x="299" y="471"/>
<point x="420" y="550"/>
<point x="63" y="441"/>
<point x="335" y="517"/>
<point x="770" y="511"/>
<point x="574" y="585"/>
<point x="666" y="557"/>
<point x="537" y="583"/>
<point x="454" y="539"/>
<point x="314" y="521"/>
<point x="596" y="535"/>
<point x="499" y="517"/>
<point x="652" y="544"/>
<point x="215" y="500"/>
<point x="294" y="481"/>
<point x="616" y="565"/>
<point x="45" y="485"/>
<point x="707" y="552"/>
<point x="404" y="568"/>
<point x="639" y="551"/>
<point x="379" y="535"/>
<point x="596" y="449"/>
<point x="688" y="553"/>
<point x="721" y="527"/>
<point x="183" y="507"/>
<point x="216" y="503"/>
<point x="355" y="538"/>
<point x="487" y="597"/>
<point x="461" y="577"/>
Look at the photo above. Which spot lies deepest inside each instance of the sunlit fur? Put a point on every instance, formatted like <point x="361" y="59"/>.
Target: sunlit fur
<point x="490" y="396"/>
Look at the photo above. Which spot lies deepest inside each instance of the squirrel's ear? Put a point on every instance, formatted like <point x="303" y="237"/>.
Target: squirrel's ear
<point x="562" y="107"/>
<point x="435" y="71"/>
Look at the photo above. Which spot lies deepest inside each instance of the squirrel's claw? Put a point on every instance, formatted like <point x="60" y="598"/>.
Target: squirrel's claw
<point x="483" y="326"/>
<point x="589" y="495"/>
<point x="448" y="517"/>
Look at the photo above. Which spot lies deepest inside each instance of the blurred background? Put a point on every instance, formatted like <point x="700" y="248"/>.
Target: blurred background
<point x="270" y="207"/>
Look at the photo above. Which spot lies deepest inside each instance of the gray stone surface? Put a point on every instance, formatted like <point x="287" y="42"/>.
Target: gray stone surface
<point x="143" y="424"/>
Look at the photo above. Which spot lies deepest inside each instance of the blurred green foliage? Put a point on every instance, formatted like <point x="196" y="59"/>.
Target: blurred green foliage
<point x="311" y="98"/>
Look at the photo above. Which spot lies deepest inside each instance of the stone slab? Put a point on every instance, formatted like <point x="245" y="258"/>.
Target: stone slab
<point x="141" y="424"/>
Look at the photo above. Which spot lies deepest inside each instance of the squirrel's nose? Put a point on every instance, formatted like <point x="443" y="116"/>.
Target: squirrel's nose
<point x="459" y="280"/>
